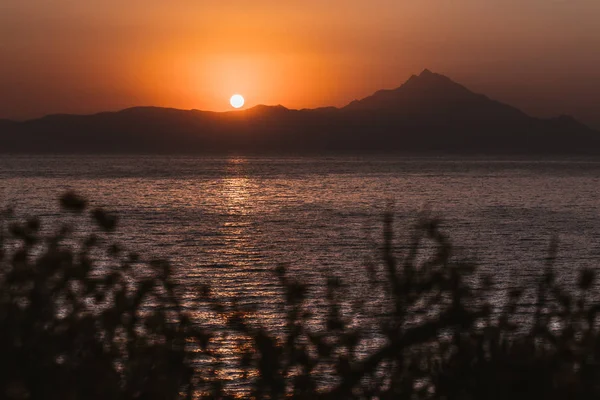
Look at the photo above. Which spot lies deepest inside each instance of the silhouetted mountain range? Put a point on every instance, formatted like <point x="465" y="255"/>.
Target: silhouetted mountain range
<point x="429" y="114"/>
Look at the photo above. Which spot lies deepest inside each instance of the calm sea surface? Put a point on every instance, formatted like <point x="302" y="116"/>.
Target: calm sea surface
<point x="320" y="215"/>
<point x="230" y="221"/>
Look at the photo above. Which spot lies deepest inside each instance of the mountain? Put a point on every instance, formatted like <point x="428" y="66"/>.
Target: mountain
<point x="431" y="93"/>
<point x="5" y="124"/>
<point x="428" y="114"/>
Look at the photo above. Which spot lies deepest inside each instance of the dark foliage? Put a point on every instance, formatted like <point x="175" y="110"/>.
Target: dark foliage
<point x="82" y="319"/>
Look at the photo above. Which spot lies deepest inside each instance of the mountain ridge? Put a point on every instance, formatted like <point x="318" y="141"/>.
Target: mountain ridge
<point x="429" y="113"/>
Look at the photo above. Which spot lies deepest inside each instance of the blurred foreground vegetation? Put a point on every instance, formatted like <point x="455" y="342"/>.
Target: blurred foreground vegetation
<point x="82" y="318"/>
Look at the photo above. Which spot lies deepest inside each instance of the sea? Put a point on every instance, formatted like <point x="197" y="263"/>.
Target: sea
<point x="230" y="221"/>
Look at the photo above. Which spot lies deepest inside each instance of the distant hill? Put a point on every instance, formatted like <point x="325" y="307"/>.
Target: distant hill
<point x="428" y="114"/>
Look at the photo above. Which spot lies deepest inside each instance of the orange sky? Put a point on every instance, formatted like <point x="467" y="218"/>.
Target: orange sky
<point x="85" y="56"/>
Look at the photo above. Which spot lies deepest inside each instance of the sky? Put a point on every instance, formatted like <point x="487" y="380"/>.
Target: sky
<point x="74" y="56"/>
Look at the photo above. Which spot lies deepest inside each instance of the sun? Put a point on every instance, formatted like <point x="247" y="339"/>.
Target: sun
<point x="236" y="101"/>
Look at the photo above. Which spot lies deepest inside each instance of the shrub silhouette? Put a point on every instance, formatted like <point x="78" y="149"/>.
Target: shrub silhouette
<point x="82" y="318"/>
<point x="75" y="321"/>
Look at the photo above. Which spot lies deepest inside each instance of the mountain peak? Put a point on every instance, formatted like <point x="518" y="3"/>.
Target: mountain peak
<point x="427" y="87"/>
<point x="432" y="78"/>
<point x="426" y="74"/>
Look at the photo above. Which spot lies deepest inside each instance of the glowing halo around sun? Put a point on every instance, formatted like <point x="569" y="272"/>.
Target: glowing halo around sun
<point x="236" y="101"/>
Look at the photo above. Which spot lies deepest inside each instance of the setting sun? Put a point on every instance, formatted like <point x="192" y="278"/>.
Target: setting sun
<point x="236" y="101"/>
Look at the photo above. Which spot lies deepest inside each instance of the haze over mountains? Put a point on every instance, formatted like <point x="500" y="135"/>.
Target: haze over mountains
<point x="429" y="114"/>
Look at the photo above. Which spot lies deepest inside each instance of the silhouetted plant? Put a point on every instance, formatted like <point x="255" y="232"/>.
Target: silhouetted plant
<point x="76" y="320"/>
<point x="82" y="318"/>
